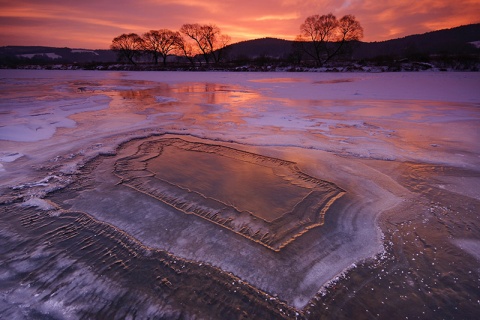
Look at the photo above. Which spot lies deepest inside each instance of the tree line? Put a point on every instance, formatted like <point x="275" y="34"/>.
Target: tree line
<point x="321" y="38"/>
<point x="192" y="40"/>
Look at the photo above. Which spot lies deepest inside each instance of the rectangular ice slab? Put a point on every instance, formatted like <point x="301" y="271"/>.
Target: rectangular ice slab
<point x="264" y="199"/>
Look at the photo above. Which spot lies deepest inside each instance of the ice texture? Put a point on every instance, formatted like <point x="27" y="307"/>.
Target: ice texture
<point x="397" y="144"/>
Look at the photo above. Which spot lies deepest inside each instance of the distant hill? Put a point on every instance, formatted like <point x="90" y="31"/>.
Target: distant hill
<point x="463" y="40"/>
<point x="459" y="40"/>
<point x="258" y="48"/>
<point x="48" y="55"/>
<point x="448" y="41"/>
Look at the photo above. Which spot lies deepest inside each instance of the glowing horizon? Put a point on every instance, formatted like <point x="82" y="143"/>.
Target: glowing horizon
<point x="93" y="24"/>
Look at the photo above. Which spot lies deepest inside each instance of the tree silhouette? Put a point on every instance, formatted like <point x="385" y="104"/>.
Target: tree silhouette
<point x="208" y="39"/>
<point x="186" y="48"/>
<point x="128" y="46"/>
<point x="322" y="37"/>
<point x="160" y="43"/>
<point x="222" y="43"/>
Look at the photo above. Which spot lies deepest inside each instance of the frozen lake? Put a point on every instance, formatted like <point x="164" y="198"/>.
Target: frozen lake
<point x="223" y="194"/>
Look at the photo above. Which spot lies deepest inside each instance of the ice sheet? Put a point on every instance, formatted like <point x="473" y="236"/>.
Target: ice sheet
<point x="333" y="126"/>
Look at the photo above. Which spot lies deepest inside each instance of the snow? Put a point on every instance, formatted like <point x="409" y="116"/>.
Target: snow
<point x="35" y="120"/>
<point x="84" y="51"/>
<point x="476" y="44"/>
<point x="165" y="99"/>
<point x="50" y="55"/>
<point x="472" y="246"/>
<point x="39" y="203"/>
<point x="9" y="157"/>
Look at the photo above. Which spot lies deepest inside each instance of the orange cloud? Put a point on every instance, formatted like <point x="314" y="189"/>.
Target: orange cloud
<point x="291" y="16"/>
<point x="93" y="23"/>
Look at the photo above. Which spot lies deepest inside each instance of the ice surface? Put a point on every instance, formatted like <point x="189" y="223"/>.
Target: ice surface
<point x="366" y="115"/>
<point x="264" y="199"/>
<point x="342" y="128"/>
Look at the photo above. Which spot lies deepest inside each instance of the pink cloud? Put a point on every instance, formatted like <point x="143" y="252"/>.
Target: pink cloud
<point x="93" y="23"/>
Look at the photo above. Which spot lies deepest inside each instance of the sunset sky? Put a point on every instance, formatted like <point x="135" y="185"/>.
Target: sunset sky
<point x="92" y="24"/>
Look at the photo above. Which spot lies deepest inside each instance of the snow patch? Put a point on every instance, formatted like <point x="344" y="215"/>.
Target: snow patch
<point x="27" y="126"/>
<point x="50" y="55"/>
<point x="41" y="204"/>
<point x="84" y="51"/>
<point x="9" y="157"/>
<point x="41" y="183"/>
<point x="476" y="44"/>
<point x="471" y="246"/>
<point x="161" y="99"/>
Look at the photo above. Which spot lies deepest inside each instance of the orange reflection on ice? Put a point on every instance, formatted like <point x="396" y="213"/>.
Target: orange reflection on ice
<point x="215" y="93"/>
<point x="241" y="184"/>
<point x="208" y="104"/>
<point x="278" y="80"/>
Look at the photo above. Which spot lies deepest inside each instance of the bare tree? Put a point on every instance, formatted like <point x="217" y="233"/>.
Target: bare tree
<point x="128" y="46"/>
<point x="324" y="36"/>
<point x="160" y="43"/>
<point x="349" y="29"/>
<point x="208" y="39"/>
<point x="185" y="48"/>
<point x="196" y="33"/>
<point x="224" y="41"/>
